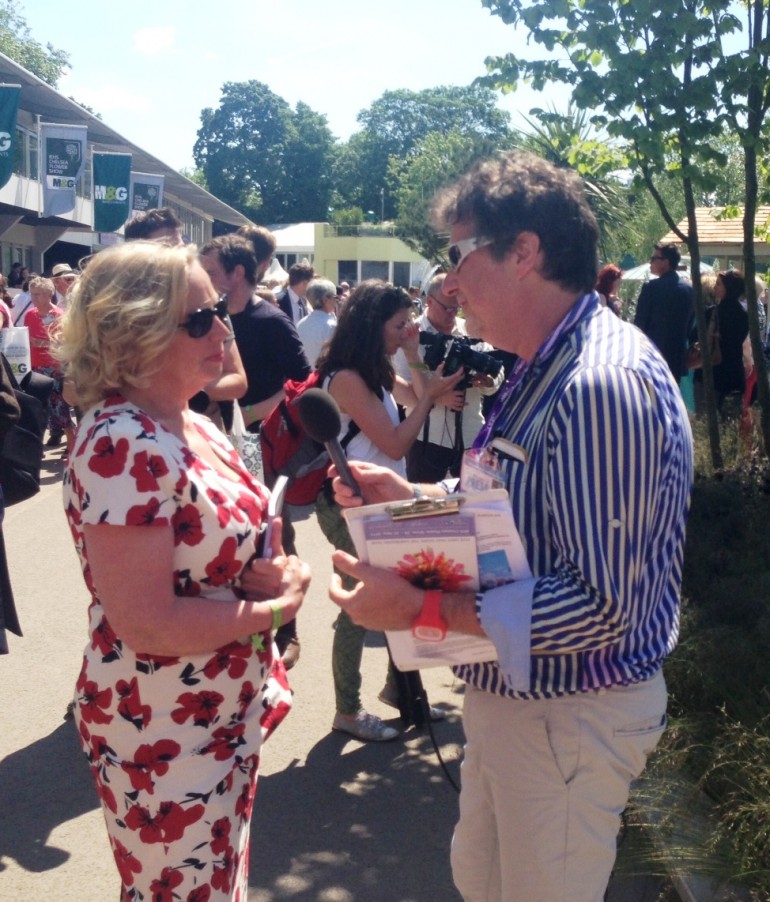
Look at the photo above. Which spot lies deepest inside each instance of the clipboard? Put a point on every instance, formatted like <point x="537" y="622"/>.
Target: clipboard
<point x="467" y="542"/>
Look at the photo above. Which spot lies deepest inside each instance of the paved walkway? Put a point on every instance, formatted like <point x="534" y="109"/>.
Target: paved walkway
<point x="334" y="821"/>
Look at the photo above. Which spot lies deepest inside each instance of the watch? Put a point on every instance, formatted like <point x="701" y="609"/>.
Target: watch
<point x="429" y="625"/>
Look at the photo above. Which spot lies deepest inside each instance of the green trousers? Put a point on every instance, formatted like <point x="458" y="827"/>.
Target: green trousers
<point x="348" y="646"/>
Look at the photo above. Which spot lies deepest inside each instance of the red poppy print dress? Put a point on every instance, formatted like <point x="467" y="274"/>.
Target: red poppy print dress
<point x="173" y="743"/>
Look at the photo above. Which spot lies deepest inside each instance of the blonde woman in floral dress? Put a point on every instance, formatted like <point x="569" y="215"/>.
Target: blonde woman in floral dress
<point x="179" y="685"/>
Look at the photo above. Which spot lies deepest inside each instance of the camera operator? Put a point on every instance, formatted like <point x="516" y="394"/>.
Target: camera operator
<point x="455" y="420"/>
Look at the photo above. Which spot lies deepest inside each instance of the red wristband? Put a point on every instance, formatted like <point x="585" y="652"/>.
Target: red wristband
<point x="429" y="625"/>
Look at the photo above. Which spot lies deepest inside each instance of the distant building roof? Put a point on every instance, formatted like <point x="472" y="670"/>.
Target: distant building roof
<point x="726" y="234"/>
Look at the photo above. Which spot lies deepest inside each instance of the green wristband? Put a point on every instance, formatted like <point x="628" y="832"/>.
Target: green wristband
<point x="277" y="615"/>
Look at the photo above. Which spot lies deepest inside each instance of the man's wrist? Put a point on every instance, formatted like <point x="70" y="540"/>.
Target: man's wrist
<point x="430" y="625"/>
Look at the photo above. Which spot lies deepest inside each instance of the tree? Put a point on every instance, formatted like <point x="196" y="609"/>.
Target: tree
<point x="729" y="178"/>
<point x="308" y="160"/>
<point x="569" y="141"/>
<point x="745" y="95"/>
<point x="651" y="71"/>
<point x="47" y="62"/>
<point x="194" y="175"/>
<point x="394" y="125"/>
<point x="436" y="161"/>
<point x="264" y="159"/>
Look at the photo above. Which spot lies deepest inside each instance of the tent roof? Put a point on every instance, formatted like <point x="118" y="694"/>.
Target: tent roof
<point x="296" y="236"/>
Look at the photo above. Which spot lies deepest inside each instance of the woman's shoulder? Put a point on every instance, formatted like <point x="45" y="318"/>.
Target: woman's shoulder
<point x="346" y="381"/>
<point x="113" y="426"/>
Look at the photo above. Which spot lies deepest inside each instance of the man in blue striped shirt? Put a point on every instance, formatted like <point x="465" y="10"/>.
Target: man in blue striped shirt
<point x="563" y="721"/>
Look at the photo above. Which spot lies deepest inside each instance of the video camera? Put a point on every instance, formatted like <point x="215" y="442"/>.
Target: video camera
<point x="456" y="352"/>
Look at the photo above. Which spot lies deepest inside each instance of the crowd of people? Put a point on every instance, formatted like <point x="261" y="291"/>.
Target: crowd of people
<point x="193" y="626"/>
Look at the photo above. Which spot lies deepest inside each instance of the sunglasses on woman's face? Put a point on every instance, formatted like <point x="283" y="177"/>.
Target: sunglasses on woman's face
<point x="199" y="323"/>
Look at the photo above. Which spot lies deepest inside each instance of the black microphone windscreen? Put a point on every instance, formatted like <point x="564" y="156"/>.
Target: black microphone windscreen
<point x="319" y="415"/>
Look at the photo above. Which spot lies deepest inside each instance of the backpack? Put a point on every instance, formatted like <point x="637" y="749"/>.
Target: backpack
<point x="287" y="450"/>
<point x="22" y="448"/>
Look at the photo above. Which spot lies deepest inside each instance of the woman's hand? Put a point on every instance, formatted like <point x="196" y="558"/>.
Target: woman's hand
<point x="410" y="342"/>
<point x="439" y="384"/>
<point x="284" y="580"/>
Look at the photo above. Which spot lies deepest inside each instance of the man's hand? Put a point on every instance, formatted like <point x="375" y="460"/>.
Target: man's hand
<point x="482" y="380"/>
<point x="381" y="601"/>
<point x="453" y="400"/>
<point x="378" y="484"/>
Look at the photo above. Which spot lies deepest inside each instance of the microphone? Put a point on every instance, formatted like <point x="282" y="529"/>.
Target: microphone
<point x="320" y="418"/>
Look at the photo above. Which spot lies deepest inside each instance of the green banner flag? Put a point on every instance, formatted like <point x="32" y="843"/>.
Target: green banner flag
<point x="9" y="107"/>
<point x="112" y="180"/>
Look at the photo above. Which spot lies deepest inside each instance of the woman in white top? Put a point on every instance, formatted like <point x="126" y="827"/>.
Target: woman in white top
<point x="357" y="370"/>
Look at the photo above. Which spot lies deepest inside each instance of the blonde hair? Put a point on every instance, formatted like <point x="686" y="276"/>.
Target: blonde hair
<point x="41" y="282"/>
<point x="125" y="310"/>
<point x="708" y="282"/>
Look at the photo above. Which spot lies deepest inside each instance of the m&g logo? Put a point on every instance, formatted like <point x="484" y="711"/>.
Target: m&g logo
<point x="5" y="142"/>
<point x="110" y="193"/>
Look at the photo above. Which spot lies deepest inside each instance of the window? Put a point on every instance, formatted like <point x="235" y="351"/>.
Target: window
<point x="402" y="274"/>
<point x="375" y="269"/>
<point x="347" y="271"/>
<point x="25" y="161"/>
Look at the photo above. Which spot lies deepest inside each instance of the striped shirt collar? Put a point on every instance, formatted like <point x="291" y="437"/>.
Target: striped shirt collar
<point x="522" y="367"/>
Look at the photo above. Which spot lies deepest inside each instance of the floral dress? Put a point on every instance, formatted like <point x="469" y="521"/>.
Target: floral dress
<point x="173" y="742"/>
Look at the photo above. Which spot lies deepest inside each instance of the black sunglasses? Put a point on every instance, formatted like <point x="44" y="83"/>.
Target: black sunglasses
<point x="199" y="323"/>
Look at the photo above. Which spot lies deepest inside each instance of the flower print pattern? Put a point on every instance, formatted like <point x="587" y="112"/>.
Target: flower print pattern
<point x="200" y="707"/>
<point x="130" y="705"/>
<point x="158" y="731"/>
<point x="108" y="459"/>
<point x="147" y="469"/>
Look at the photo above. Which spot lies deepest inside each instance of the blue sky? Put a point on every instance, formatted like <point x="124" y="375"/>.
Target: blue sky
<point x="149" y="68"/>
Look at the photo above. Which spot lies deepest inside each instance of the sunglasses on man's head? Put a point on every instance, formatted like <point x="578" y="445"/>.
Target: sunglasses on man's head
<point x="200" y="322"/>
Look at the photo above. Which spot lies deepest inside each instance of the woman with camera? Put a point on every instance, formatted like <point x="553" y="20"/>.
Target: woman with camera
<point x="357" y="371"/>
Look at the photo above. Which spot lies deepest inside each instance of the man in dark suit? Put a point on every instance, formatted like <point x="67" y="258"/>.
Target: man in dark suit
<point x="664" y="310"/>
<point x="292" y="299"/>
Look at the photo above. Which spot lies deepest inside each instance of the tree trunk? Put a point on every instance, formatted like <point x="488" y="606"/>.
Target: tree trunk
<point x="712" y="417"/>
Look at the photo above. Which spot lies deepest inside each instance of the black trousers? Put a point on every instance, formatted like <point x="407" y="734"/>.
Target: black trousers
<point x="427" y="462"/>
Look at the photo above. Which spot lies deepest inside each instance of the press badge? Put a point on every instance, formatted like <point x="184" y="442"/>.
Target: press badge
<point x="484" y="468"/>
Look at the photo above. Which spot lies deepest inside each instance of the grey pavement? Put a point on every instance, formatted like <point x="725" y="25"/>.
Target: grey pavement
<point x="335" y="820"/>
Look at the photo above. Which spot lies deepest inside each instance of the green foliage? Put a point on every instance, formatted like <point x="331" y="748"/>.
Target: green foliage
<point x="569" y="141"/>
<point x="347" y="216"/>
<point x="437" y="160"/>
<point x="263" y="158"/>
<point x="719" y="675"/>
<point x="647" y="223"/>
<point x="47" y="62"/>
<point x="662" y="79"/>
<point x="195" y="175"/>
<point x="393" y="127"/>
<point x="646" y="73"/>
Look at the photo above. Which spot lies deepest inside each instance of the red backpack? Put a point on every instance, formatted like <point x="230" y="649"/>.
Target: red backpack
<point x="287" y="450"/>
